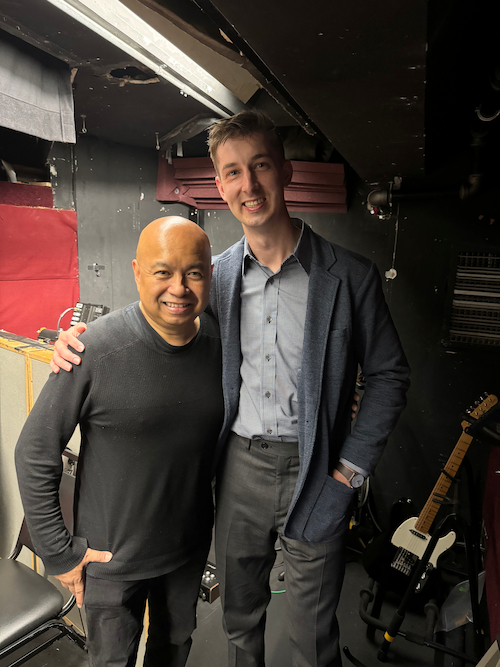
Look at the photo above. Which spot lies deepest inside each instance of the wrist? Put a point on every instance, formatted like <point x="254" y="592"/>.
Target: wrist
<point x="336" y="474"/>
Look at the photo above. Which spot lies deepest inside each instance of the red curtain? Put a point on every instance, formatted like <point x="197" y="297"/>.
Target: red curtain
<point x="38" y="267"/>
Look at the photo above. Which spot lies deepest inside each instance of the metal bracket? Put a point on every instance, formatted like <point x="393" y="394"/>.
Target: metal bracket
<point x="97" y="268"/>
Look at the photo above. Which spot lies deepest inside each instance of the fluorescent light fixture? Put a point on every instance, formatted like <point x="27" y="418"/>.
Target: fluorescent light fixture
<point x="120" y="26"/>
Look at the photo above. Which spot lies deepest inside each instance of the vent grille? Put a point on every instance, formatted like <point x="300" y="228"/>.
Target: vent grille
<point x="475" y="314"/>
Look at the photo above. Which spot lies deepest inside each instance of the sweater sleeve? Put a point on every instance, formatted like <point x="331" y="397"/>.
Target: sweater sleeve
<point x="43" y="438"/>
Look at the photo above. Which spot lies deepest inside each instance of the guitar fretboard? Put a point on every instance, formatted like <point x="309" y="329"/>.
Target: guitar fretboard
<point x="434" y="502"/>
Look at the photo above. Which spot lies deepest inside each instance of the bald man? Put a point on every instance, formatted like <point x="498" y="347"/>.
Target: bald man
<point x="148" y="400"/>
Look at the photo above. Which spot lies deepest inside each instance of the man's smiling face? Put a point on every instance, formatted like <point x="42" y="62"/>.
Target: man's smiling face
<point x="251" y="177"/>
<point x="172" y="272"/>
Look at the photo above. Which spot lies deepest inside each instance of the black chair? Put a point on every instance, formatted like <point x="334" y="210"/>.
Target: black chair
<point x="30" y="605"/>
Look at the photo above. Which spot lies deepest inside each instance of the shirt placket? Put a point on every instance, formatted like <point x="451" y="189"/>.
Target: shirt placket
<point x="269" y="337"/>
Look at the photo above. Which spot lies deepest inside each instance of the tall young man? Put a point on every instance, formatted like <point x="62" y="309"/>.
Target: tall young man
<point x="297" y="315"/>
<point x="148" y="398"/>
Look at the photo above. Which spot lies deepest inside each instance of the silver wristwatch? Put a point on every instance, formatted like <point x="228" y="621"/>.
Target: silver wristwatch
<point x="354" y="478"/>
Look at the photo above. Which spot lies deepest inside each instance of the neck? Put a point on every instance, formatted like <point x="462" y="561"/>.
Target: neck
<point x="177" y="337"/>
<point x="273" y="245"/>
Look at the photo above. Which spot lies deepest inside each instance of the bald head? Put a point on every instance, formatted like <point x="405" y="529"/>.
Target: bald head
<point x="173" y="272"/>
<point x="172" y="229"/>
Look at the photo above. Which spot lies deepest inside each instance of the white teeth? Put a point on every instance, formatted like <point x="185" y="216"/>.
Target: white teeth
<point x="175" y="305"/>
<point x="256" y="202"/>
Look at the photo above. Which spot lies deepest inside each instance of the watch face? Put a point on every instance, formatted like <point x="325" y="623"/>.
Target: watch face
<point x="357" y="481"/>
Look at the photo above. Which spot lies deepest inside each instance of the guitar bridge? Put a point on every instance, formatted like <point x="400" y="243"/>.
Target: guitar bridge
<point x="404" y="561"/>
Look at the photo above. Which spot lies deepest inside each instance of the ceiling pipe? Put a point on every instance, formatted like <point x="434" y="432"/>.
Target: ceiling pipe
<point x="388" y="197"/>
<point x="378" y="201"/>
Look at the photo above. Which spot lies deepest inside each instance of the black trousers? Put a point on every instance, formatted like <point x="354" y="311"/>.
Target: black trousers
<point x="115" y="612"/>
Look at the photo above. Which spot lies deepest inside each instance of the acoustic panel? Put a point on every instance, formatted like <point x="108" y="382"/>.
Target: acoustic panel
<point x="315" y="186"/>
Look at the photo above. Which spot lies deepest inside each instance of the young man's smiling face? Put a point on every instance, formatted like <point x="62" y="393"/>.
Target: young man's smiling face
<point x="251" y="177"/>
<point x="172" y="272"/>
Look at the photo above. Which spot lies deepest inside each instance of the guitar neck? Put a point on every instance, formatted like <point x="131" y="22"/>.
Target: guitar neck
<point x="435" y="500"/>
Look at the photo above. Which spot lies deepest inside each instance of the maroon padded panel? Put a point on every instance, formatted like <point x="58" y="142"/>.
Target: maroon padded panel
<point x="19" y="194"/>
<point x="315" y="186"/>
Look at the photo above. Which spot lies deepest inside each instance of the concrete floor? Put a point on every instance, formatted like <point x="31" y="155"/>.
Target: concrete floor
<point x="209" y="645"/>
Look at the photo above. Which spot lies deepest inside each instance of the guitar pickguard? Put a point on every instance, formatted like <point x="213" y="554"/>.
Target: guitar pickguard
<point x="415" y="542"/>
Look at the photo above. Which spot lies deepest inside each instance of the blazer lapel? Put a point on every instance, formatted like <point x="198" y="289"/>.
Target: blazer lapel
<point x="228" y="288"/>
<point x="323" y="287"/>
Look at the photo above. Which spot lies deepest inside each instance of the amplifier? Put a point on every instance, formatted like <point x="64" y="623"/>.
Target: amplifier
<point x="209" y="588"/>
<point x="88" y="312"/>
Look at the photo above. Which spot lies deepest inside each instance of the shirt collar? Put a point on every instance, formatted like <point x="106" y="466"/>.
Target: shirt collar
<point x="301" y="253"/>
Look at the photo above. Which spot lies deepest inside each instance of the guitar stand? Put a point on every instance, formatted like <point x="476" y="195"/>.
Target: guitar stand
<point x="394" y="628"/>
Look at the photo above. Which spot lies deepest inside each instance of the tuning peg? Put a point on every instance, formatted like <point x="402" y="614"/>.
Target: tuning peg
<point x="484" y="396"/>
<point x="476" y="403"/>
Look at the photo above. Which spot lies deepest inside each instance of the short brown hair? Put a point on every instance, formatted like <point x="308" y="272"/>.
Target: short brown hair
<point x="243" y="124"/>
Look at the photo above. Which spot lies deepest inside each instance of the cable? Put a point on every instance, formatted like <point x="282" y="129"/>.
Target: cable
<point x="484" y="118"/>
<point x="365" y="490"/>
<point x="372" y="516"/>
<point x="83" y="625"/>
<point x="62" y="315"/>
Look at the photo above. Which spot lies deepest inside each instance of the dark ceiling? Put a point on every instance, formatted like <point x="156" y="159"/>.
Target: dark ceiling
<point x="392" y="85"/>
<point x="356" y="68"/>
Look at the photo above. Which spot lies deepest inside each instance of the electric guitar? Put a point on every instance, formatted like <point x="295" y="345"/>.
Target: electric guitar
<point x="412" y="536"/>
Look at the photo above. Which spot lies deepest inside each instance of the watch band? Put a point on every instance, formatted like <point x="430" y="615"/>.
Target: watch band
<point x="350" y="475"/>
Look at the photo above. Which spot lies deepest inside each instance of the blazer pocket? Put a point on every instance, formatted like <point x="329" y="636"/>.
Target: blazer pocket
<point x="330" y="515"/>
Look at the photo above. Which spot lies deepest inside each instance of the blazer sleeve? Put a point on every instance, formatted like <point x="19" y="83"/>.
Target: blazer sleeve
<point x="385" y="367"/>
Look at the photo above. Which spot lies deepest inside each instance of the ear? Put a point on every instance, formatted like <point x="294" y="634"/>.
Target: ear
<point x="220" y="188"/>
<point x="287" y="172"/>
<point x="137" y="273"/>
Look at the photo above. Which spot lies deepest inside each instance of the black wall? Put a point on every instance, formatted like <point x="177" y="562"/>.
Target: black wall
<point x="113" y="187"/>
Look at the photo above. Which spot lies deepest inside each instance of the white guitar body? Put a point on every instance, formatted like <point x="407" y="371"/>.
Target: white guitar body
<point x="411" y="543"/>
<point x="414" y="543"/>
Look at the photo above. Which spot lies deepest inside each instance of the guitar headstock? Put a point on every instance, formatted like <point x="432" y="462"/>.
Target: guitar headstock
<point x="477" y="413"/>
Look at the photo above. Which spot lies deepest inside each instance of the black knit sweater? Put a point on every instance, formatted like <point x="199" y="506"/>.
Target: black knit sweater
<point x="149" y="415"/>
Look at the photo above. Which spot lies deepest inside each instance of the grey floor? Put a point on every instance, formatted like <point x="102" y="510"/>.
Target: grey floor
<point x="209" y="646"/>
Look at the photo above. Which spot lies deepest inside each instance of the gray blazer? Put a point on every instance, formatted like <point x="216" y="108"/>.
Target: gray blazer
<point x="347" y="323"/>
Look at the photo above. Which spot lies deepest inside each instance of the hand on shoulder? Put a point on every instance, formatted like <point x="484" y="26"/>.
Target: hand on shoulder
<point x="64" y="358"/>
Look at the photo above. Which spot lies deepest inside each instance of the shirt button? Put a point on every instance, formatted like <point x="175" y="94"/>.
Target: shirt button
<point x="268" y="357"/>
<point x="269" y="430"/>
<point x="264" y="445"/>
<point x="267" y="394"/>
<point x="269" y="318"/>
<point x="271" y="281"/>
